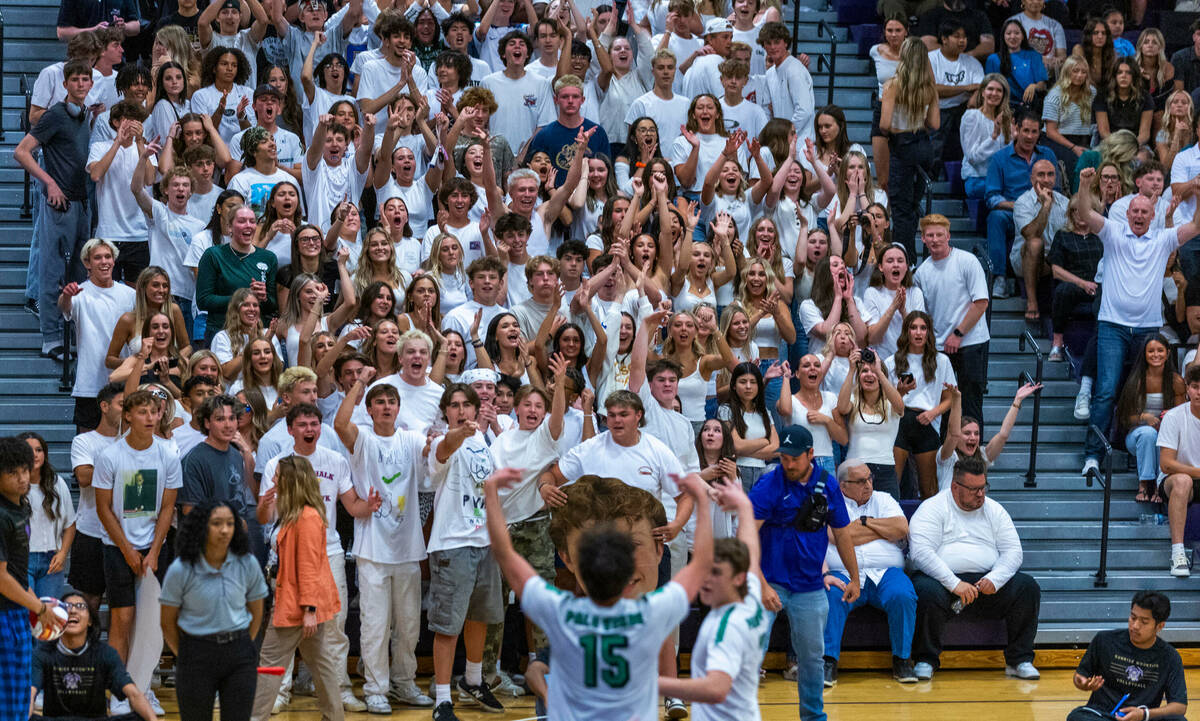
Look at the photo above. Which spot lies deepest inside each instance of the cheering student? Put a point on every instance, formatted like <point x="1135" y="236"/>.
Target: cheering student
<point x="610" y="674"/>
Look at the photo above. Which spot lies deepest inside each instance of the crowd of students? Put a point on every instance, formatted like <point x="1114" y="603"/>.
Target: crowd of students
<point x="371" y="253"/>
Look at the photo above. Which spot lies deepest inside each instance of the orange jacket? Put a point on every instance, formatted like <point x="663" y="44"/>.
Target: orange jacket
<point x="304" y="577"/>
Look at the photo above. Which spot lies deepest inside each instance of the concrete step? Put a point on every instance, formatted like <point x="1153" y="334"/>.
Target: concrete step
<point x="1075" y="556"/>
<point x="1080" y="506"/>
<point x="1034" y="532"/>
<point x="1081" y="633"/>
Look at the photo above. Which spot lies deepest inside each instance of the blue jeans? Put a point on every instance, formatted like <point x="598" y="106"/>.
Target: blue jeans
<point x="185" y="307"/>
<point x="806" y="614"/>
<point x="1000" y="229"/>
<point x="1114" y="344"/>
<point x="1142" y="443"/>
<point x="826" y="464"/>
<point x="771" y="393"/>
<point x="37" y="197"/>
<point x="894" y="595"/>
<point x="41" y="581"/>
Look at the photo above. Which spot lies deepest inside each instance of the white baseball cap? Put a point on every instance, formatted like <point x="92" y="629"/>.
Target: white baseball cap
<point x="718" y="25"/>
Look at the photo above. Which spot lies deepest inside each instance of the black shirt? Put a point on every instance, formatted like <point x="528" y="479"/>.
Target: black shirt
<point x="74" y="685"/>
<point x="14" y="544"/>
<point x="1124" y="114"/>
<point x="64" y="140"/>
<point x="328" y="275"/>
<point x="1077" y="254"/>
<point x="975" y="22"/>
<point x="1147" y="675"/>
<point x="87" y="13"/>
<point x="1187" y="68"/>
<point x="189" y="24"/>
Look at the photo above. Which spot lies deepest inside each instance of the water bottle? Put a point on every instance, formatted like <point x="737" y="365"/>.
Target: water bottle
<point x="1153" y="519"/>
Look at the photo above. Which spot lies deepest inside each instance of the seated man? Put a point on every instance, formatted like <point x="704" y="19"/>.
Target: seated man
<point x="1179" y="461"/>
<point x="877" y="525"/>
<point x="964" y="544"/>
<point x="80" y="654"/>
<point x="1133" y="669"/>
<point x="1038" y="214"/>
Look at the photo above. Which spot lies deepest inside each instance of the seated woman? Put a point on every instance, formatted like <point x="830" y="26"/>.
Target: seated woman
<point x="985" y="128"/>
<point x="1020" y="65"/>
<point x="1096" y="47"/>
<point x="1068" y="112"/>
<point x="1157" y="72"/>
<point x="1153" y="386"/>
<point x="1124" y="104"/>
<point x="1176" y="132"/>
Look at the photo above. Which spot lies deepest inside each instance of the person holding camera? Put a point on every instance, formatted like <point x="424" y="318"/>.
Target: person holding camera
<point x="873" y="409"/>
<point x="794" y="504"/>
<point x="967" y="556"/>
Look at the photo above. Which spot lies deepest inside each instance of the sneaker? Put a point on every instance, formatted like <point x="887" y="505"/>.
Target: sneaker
<point x="1180" y="568"/>
<point x="675" y="708"/>
<point x="791" y="672"/>
<point x="480" y="694"/>
<point x="924" y="671"/>
<point x="377" y="703"/>
<point x="350" y="702"/>
<point x="830" y="673"/>
<point x="117" y="708"/>
<point x="31" y="307"/>
<point x="504" y="685"/>
<point x="999" y="287"/>
<point x="280" y="704"/>
<point x="409" y="695"/>
<point x="444" y="712"/>
<point x="1024" y="670"/>
<point x="902" y="670"/>
<point x="1083" y="405"/>
<point x="303" y="684"/>
<point x="1090" y="465"/>
<point x="154" y="704"/>
<point x="1057" y="355"/>
<point x="37" y="702"/>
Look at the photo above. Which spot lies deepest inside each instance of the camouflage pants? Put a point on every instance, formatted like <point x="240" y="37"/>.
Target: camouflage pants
<point x="531" y="539"/>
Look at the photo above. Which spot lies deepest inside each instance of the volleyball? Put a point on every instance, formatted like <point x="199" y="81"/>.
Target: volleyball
<point x="40" y="631"/>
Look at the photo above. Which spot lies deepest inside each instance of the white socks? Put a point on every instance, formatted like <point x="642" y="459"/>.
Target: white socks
<point x="474" y="673"/>
<point x="442" y="692"/>
<point x="1085" y="384"/>
<point x="1177" y="548"/>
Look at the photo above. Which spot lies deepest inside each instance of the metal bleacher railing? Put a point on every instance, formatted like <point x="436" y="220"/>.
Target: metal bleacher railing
<point x="1105" y="479"/>
<point x="26" y="198"/>
<point x="1" y="68"/>
<point x="1028" y="339"/>
<point x="828" y="60"/>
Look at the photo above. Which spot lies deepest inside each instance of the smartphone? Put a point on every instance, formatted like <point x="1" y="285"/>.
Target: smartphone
<point x="906" y="377"/>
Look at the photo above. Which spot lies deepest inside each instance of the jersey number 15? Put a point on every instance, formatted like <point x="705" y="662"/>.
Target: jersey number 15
<point x="603" y="649"/>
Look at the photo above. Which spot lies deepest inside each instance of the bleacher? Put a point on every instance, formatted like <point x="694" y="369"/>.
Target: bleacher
<point x="1059" y="520"/>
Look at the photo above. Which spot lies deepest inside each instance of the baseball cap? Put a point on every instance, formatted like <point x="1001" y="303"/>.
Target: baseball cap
<point x="479" y="374"/>
<point x="266" y="89"/>
<point x="796" y="440"/>
<point x="718" y="25"/>
<point x="231" y="5"/>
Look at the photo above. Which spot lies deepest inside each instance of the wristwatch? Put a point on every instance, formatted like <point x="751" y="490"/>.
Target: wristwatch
<point x="862" y="520"/>
<point x="957" y="332"/>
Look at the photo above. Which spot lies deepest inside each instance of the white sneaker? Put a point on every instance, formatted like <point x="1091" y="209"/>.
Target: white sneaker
<point x="303" y="684"/>
<point x="1024" y="670"/>
<point x="409" y="695"/>
<point x="1180" y="568"/>
<point x="154" y="704"/>
<point x="791" y="672"/>
<point x="999" y="287"/>
<point x="1083" y="405"/>
<point x="350" y="702"/>
<point x="117" y="708"/>
<point x="378" y="704"/>
<point x="505" y="686"/>
<point x="281" y="703"/>
<point x="1089" y="465"/>
<point x="924" y="671"/>
<point x="675" y="708"/>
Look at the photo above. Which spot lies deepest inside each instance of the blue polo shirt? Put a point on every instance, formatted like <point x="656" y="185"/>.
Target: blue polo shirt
<point x="1008" y="173"/>
<point x="790" y="557"/>
<point x="213" y="600"/>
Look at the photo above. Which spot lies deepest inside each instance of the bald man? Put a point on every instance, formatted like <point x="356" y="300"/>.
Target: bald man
<point x="1038" y="214"/>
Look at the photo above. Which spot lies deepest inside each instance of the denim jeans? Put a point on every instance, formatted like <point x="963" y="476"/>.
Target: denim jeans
<point x="1142" y="443"/>
<point x="185" y="307"/>
<point x="37" y="198"/>
<point x="1000" y="230"/>
<point x="893" y="594"/>
<point x="1114" y="344"/>
<point x="771" y="393"/>
<point x="806" y="614"/>
<point x="42" y="582"/>
<point x="61" y="234"/>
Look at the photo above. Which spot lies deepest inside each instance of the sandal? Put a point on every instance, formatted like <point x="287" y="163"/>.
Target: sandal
<point x="1033" y="316"/>
<point x="1143" y="493"/>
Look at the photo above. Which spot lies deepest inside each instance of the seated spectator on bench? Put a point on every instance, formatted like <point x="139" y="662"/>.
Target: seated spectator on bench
<point x="1186" y="61"/>
<point x="985" y="129"/>
<point x="1124" y="104"/>
<point x="1152" y="387"/>
<point x="1008" y="176"/>
<point x="1073" y="257"/>
<point x="1067" y="112"/>
<point x="1134" y="668"/>
<point x="1038" y="215"/>
<point x="877" y="526"/>
<point x="955" y="75"/>
<point x="1095" y="47"/>
<point x="1115" y="19"/>
<point x="1179" y="459"/>
<point x="967" y="557"/>
<point x="79" y="654"/>
<point x="1020" y="65"/>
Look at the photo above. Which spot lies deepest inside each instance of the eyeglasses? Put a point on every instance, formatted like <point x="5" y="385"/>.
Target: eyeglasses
<point x="77" y="606"/>
<point x="977" y="490"/>
<point x="309" y="239"/>
<point x="244" y="410"/>
<point x="858" y="482"/>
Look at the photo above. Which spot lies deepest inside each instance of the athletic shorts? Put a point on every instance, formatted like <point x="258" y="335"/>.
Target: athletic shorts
<point x="87" y="413"/>
<point x="87" y="565"/>
<point x="464" y="584"/>
<point x="119" y="578"/>
<point x="914" y="436"/>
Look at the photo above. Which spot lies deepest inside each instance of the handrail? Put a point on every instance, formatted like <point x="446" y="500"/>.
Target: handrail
<point x="1031" y="473"/>
<point x="2" y="54"/>
<point x="1106" y="480"/>
<point x="26" y="126"/>
<point x="823" y="26"/>
<point x="66" y="382"/>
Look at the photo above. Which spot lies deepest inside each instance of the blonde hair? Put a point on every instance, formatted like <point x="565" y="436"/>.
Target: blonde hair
<point x="1082" y="96"/>
<point x="743" y="294"/>
<point x="194" y="361"/>
<point x="238" y="333"/>
<point x="841" y="328"/>
<point x="434" y="263"/>
<point x="249" y="377"/>
<point x="365" y="273"/>
<point x="1120" y="148"/>
<point x="669" y="349"/>
<point x="1170" y="122"/>
<point x="843" y="188"/>
<point x="727" y="321"/>
<point x="296" y="487"/>
<point x="1160" y="71"/>
<point x="913" y="81"/>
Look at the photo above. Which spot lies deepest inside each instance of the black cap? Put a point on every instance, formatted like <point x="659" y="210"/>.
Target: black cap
<point x="267" y="89"/>
<point x="795" y="440"/>
<point x="231" y="5"/>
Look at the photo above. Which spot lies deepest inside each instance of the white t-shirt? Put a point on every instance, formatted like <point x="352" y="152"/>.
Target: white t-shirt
<point x="256" y="187"/>
<point x="121" y="220"/>
<point x="418" y="198"/>
<point x="810" y="317"/>
<point x="604" y="675"/>
<point x="744" y="116"/>
<point x="45" y="534"/>
<point x="732" y="639"/>
<point x="205" y="101"/>
<point x="333" y="475"/>
<point x="96" y="311"/>
<point x="289" y="151"/>
<point x="711" y="146"/>
<point x="325" y="187"/>
<point x="85" y="449"/>
<point x="418" y="404"/>
<point x="393" y="466"/>
<point x="1133" y="271"/>
<point x="526" y="104"/>
<point x="379" y="76"/>
<point x="170" y="238"/>
<point x="928" y="393"/>
<point x="459" y="518"/>
<point x="667" y="114"/>
<point x="949" y="286"/>
<point x="1046" y="35"/>
<point x="1180" y="430"/>
<point x="874" y="557"/>
<point x="822" y="443"/>
<point x="671" y="427"/>
<point x="647" y="465"/>
<point x="872" y="437"/>
<point x="532" y="451"/>
<point x="704" y="76"/>
<point x="137" y="480"/>
<point x="277" y="441"/>
<point x="963" y="70"/>
<point x="462" y="317"/>
<point x="876" y="300"/>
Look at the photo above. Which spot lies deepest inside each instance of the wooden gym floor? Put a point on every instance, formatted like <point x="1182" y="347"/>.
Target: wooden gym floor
<point x="953" y="695"/>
